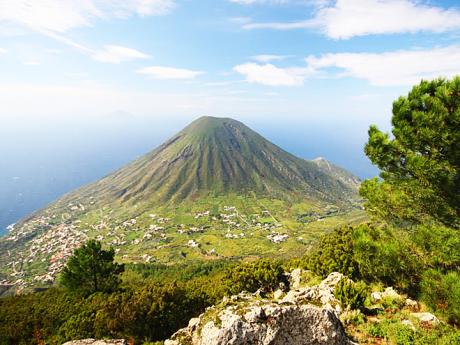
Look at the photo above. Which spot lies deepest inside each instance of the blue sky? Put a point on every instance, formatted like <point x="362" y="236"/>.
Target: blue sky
<point x="276" y="59"/>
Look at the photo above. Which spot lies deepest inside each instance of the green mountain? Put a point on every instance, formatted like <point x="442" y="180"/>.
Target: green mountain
<point x="218" y="156"/>
<point x="217" y="189"/>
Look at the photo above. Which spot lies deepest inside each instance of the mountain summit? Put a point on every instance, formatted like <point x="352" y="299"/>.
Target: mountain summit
<point x="221" y="155"/>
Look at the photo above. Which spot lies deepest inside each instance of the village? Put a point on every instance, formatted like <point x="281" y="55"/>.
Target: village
<point x="56" y="237"/>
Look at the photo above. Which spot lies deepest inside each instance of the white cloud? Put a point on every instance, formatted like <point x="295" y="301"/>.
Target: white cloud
<point x="117" y="54"/>
<point x="32" y="63"/>
<point x="405" y="67"/>
<point x="345" y="19"/>
<point x="271" y="75"/>
<point x="60" y="16"/>
<point x="267" y="57"/>
<point x="253" y="2"/>
<point x="3" y="51"/>
<point x="163" y="72"/>
<point x="54" y="18"/>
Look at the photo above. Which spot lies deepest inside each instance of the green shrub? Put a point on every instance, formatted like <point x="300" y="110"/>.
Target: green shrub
<point x="334" y="253"/>
<point x="442" y="292"/>
<point x="376" y="329"/>
<point x="352" y="317"/>
<point x="402" y="334"/>
<point x="393" y="302"/>
<point x="352" y="295"/>
<point x="250" y="276"/>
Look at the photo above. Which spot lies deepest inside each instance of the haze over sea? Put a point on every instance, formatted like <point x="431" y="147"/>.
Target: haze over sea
<point x="58" y="156"/>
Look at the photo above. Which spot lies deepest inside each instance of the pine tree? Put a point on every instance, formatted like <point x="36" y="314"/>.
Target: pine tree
<point x="91" y="269"/>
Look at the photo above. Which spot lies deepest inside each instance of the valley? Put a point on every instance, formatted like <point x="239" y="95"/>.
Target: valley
<point x="205" y="229"/>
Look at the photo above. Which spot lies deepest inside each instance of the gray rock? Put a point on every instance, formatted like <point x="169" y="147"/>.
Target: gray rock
<point x="411" y="303"/>
<point x="426" y="317"/>
<point x="332" y="280"/>
<point x="390" y="292"/>
<point x="294" y="278"/>
<point x="278" y="294"/>
<point x="376" y="296"/>
<point x="97" y="342"/>
<point x="303" y="317"/>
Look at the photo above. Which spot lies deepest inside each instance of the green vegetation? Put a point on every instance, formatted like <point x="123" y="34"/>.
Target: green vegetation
<point x="420" y="164"/>
<point x="91" y="269"/>
<point x="351" y="294"/>
<point x="150" y="305"/>
<point x="262" y="274"/>
<point x="441" y="291"/>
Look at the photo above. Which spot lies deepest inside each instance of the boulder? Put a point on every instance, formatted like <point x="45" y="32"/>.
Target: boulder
<point x="411" y="303"/>
<point x="278" y="294"/>
<point x="303" y="317"/>
<point x="426" y="317"/>
<point x="391" y="293"/>
<point x="294" y="278"/>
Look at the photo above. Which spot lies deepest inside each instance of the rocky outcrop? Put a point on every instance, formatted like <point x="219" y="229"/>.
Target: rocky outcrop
<point x="97" y="342"/>
<point x="305" y="316"/>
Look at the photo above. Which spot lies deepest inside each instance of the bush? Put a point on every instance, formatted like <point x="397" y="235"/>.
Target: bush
<point x="250" y="276"/>
<point x="387" y="255"/>
<point x="352" y="295"/>
<point x="442" y="292"/>
<point x="333" y="254"/>
<point x="370" y="253"/>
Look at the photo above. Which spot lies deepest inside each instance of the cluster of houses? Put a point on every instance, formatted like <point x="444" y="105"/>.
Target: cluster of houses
<point x="17" y="233"/>
<point x="52" y="248"/>
<point x="57" y="237"/>
<point x="276" y="237"/>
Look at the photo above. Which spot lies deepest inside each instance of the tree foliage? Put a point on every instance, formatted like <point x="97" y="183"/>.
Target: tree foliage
<point x="251" y="276"/>
<point x="91" y="269"/>
<point x="420" y="162"/>
<point x="333" y="253"/>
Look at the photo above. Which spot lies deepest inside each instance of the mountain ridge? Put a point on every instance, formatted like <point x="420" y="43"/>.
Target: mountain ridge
<point x="219" y="155"/>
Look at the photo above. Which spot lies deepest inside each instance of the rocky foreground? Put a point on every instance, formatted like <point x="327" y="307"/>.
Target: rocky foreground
<point x="301" y="315"/>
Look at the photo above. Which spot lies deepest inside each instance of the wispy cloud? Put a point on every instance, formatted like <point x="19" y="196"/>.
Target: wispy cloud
<point x="404" y="67"/>
<point x="394" y="68"/>
<point x="268" y="74"/>
<point x="55" y="18"/>
<point x="164" y="72"/>
<point x="253" y="2"/>
<point x="3" y="51"/>
<point x="117" y="54"/>
<point x="63" y="15"/>
<point x="268" y="58"/>
<point x="344" y="19"/>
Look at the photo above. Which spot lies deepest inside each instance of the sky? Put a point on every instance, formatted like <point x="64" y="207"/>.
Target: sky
<point x="88" y="85"/>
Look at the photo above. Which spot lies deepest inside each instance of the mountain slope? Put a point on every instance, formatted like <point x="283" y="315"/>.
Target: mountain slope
<point x="218" y="155"/>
